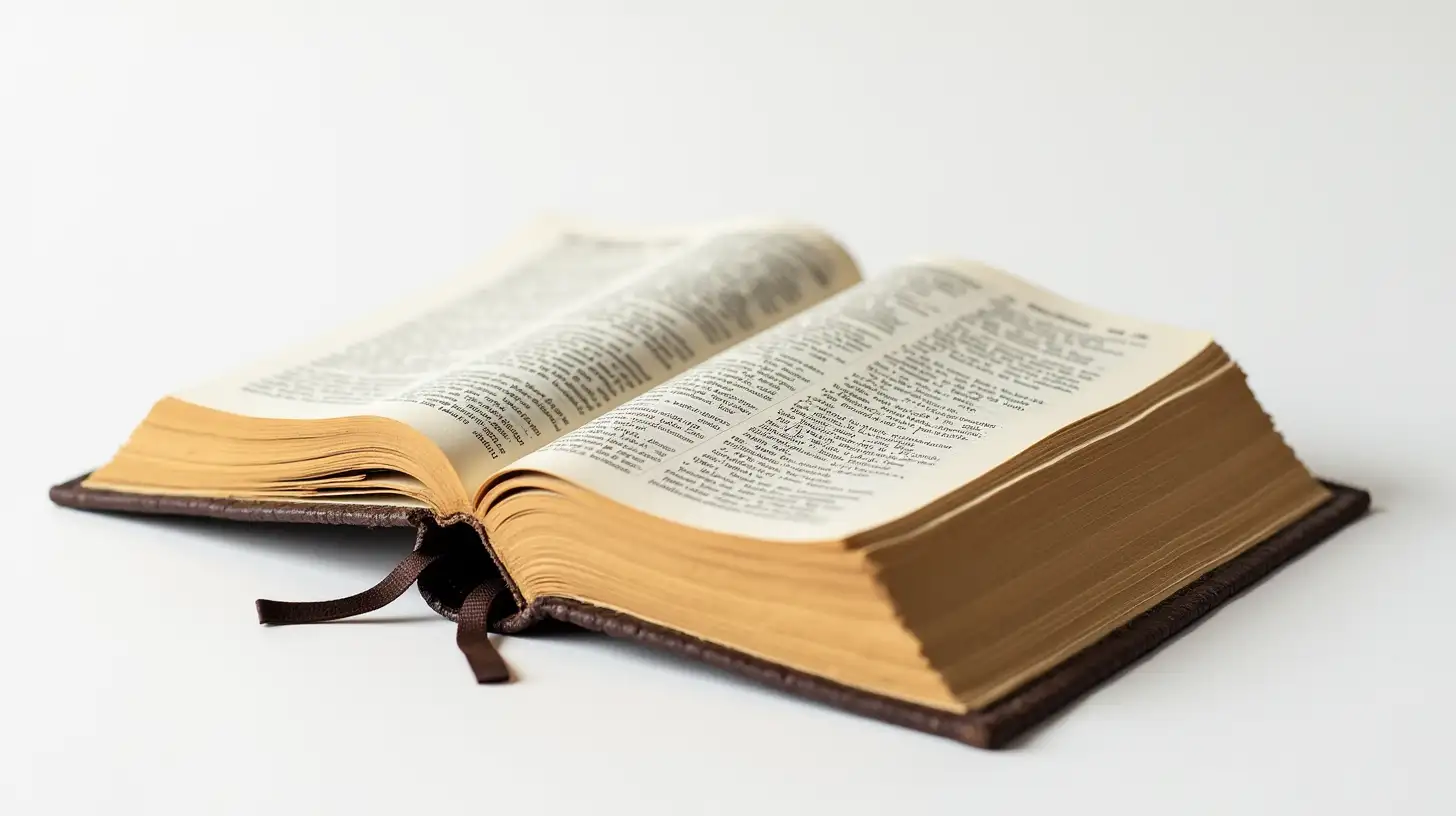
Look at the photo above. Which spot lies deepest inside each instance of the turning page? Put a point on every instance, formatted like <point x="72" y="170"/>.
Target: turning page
<point x="867" y="407"/>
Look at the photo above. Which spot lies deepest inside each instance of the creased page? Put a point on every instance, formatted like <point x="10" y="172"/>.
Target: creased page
<point x="867" y="407"/>
<point x="565" y="323"/>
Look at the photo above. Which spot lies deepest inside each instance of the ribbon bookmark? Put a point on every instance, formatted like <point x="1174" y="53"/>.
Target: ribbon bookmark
<point x="472" y="632"/>
<point x="399" y="579"/>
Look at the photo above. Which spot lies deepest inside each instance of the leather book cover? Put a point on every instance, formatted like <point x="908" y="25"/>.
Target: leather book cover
<point x="468" y="558"/>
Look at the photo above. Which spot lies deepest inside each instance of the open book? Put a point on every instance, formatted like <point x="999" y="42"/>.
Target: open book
<point x="932" y="487"/>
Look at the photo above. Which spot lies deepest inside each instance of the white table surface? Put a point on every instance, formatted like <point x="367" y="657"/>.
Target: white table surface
<point x="183" y="186"/>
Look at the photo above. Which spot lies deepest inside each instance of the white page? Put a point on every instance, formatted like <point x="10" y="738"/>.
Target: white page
<point x="563" y="325"/>
<point x="867" y="407"/>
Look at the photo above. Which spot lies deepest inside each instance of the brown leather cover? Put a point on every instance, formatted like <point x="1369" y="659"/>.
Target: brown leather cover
<point x="446" y="583"/>
<point x="72" y="494"/>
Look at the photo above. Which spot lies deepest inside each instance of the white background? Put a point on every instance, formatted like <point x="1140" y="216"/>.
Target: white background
<point x="185" y="185"/>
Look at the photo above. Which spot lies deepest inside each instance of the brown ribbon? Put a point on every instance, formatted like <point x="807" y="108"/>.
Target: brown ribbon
<point x="399" y="579"/>
<point x="472" y="632"/>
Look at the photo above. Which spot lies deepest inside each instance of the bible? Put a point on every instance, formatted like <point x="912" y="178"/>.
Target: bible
<point x="941" y="496"/>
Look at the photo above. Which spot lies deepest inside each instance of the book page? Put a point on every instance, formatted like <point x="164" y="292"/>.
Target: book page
<point x="565" y="323"/>
<point x="867" y="407"/>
